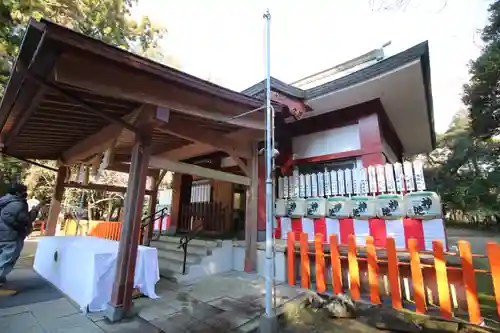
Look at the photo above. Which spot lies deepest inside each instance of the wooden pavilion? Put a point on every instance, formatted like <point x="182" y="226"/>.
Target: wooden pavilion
<point x="71" y="97"/>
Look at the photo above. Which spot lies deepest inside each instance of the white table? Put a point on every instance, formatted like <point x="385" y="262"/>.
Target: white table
<point x="84" y="268"/>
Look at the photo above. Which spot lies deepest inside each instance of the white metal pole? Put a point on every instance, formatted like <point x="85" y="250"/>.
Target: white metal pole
<point x="269" y="180"/>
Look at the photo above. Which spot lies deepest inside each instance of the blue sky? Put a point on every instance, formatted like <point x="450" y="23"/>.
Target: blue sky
<point x="224" y="39"/>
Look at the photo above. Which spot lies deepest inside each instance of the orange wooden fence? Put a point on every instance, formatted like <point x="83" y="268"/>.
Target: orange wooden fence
<point x="109" y="230"/>
<point x="366" y="273"/>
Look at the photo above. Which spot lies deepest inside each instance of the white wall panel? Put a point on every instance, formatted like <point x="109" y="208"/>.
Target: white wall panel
<point x="332" y="141"/>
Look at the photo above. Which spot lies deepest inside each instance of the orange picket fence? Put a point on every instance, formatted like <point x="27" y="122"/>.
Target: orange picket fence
<point x="425" y="281"/>
<point x="107" y="230"/>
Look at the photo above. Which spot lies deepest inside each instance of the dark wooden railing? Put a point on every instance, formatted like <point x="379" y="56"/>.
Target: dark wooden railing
<point x="184" y="241"/>
<point x="212" y="215"/>
<point x="147" y="223"/>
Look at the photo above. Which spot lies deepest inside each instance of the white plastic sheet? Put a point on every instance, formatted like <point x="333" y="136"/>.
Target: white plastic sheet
<point x="308" y="227"/>
<point x="84" y="268"/>
<point x="433" y="230"/>
<point x="286" y="226"/>
<point x="332" y="227"/>
<point x="361" y="231"/>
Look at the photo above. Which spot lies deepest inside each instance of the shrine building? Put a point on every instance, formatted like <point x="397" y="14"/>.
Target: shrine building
<point x="369" y="111"/>
<point x="342" y="135"/>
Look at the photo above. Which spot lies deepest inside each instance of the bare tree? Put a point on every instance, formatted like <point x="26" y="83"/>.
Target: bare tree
<point x="378" y="5"/>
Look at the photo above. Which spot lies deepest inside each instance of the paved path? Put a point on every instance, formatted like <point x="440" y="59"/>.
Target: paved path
<point x="228" y="302"/>
<point x="477" y="239"/>
<point x="41" y="308"/>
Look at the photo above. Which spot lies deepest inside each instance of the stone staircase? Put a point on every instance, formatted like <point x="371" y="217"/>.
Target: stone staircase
<point x="204" y="258"/>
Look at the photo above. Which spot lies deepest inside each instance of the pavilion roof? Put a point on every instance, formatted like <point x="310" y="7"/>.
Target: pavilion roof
<point x="66" y="87"/>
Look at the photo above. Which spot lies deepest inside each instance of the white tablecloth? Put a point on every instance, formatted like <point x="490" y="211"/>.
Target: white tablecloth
<point x="85" y="268"/>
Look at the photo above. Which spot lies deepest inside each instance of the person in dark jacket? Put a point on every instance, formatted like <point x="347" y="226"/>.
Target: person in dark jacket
<point x="15" y="225"/>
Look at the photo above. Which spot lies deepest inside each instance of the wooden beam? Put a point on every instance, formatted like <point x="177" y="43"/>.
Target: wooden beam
<point x="198" y="134"/>
<point x="243" y="166"/>
<point x="200" y="149"/>
<point x="100" y="187"/>
<point x="160" y="178"/>
<point x="122" y="167"/>
<point x="113" y="80"/>
<point x="96" y="143"/>
<point x="106" y="137"/>
<point x="194" y="170"/>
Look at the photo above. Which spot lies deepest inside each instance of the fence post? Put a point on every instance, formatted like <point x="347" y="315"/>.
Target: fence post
<point x="469" y="279"/>
<point x="353" y="268"/>
<point x="108" y="230"/>
<point x="305" y="268"/>
<point x="442" y="280"/>
<point x="416" y="276"/>
<point x="494" y="259"/>
<point x="336" y="267"/>
<point x="372" y="270"/>
<point x="291" y="258"/>
<point x="393" y="272"/>
<point x="116" y="235"/>
<point x="119" y="231"/>
<point x="320" y="263"/>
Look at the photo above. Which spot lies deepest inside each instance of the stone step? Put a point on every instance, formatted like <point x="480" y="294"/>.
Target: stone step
<point x="170" y="268"/>
<point x="198" y="265"/>
<point x="192" y="242"/>
<point x="174" y="247"/>
<point x="179" y="256"/>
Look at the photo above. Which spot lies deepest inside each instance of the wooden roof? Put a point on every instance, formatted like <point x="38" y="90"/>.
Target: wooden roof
<point x="66" y="87"/>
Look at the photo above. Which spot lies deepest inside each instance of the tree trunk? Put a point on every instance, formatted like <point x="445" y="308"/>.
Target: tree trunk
<point x="110" y="210"/>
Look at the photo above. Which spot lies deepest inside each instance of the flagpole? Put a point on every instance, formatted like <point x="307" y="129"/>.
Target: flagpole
<point x="268" y="323"/>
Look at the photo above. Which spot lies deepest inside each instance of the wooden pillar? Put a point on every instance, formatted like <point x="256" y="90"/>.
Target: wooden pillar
<point x="251" y="214"/>
<point x="121" y="297"/>
<point x="153" y="197"/>
<point x="181" y="195"/>
<point x="223" y="193"/>
<point x="55" y="202"/>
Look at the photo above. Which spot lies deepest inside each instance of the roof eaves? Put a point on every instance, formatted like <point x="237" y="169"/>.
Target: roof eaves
<point x="370" y="72"/>
<point x="117" y="54"/>
<point x="426" y="73"/>
<point x="419" y="51"/>
<point x="276" y="85"/>
<point x="29" y="45"/>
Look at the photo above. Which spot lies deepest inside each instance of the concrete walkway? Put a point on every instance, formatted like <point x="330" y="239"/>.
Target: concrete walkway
<point x="41" y="308"/>
<point x="228" y="302"/>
